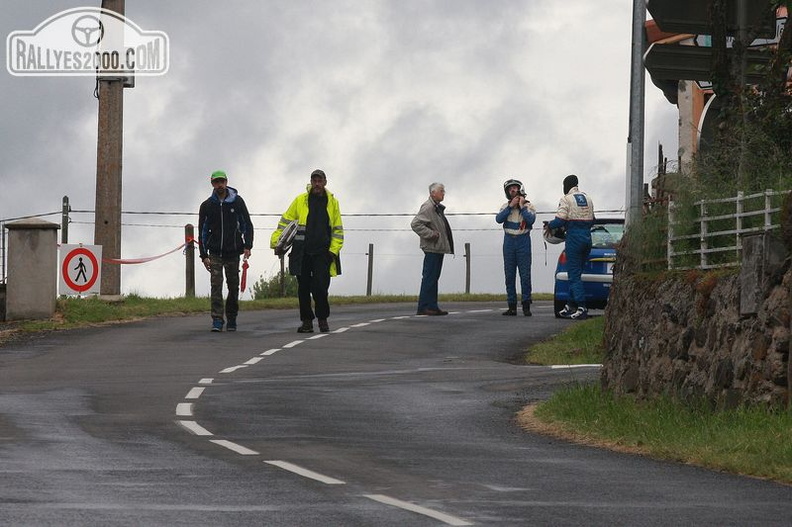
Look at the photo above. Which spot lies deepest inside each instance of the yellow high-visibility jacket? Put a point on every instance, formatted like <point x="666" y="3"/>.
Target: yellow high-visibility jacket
<point x="298" y="210"/>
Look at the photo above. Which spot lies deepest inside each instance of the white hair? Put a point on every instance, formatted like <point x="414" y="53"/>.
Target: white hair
<point x="435" y="186"/>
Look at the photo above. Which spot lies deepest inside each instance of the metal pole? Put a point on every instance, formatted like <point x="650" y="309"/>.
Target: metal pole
<point x="189" y="256"/>
<point x="635" y="141"/>
<point x="467" y="268"/>
<point x="65" y="210"/>
<point x="107" y="221"/>
<point x="370" y="269"/>
<point x="282" y="276"/>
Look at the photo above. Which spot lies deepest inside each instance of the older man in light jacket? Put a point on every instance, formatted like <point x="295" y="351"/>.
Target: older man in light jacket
<point x="431" y="225"/>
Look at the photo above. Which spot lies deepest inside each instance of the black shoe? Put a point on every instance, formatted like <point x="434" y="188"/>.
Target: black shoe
<point x="231" y="325"/>
<point x="511" y="312"/>
<point x="526" y="309"/>
<point x="307" y="327"/>
<point x="323" y="327"/>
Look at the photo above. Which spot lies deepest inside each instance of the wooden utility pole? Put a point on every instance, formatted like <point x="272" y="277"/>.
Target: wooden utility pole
<point x="107" y="220"/>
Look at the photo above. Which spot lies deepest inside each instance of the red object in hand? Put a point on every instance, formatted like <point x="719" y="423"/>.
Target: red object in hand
<point x="243" y="281"/>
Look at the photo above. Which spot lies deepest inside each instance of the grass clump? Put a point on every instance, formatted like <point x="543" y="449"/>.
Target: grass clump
<point x="580" y="343"/>
<point x="749" y="441"/>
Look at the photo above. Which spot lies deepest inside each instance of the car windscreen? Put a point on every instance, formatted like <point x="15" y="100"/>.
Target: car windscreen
<point x="607" y="235"/>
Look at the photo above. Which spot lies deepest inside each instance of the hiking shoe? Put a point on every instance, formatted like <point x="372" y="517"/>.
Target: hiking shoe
<point x="323" y="327"/>
<point x="566" y="312"/>
<point x="526" y="309"/>
<point x="217" y="325"/>
<point x="231" y="326"/>
<point x="580" y="314"/>
<point x="510" y="313"/>
<point x="307" y="327"/>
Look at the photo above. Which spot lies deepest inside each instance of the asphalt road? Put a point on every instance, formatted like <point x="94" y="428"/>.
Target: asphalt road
<point x="389" y="420"/>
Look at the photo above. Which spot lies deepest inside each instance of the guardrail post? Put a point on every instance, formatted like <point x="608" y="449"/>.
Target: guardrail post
<point x="703" y="235"/>
<point x="370" y="268"/>
<point x="467" y="268"/>
<point x="740" y="208"/>
<point x="189" y="257"/>
<point x="670" y="240"/>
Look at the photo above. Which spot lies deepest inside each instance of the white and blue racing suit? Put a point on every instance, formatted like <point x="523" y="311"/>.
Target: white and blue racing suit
<point x="576" y="214"/>
<point x="517" y="223"/>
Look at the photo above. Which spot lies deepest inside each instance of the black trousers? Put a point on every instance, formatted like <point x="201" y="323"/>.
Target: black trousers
<point x="314" y="281"/>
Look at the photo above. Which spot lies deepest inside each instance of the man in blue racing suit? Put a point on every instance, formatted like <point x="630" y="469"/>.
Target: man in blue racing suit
<point x="517" y="216"/>
<point x="576" y="215"/>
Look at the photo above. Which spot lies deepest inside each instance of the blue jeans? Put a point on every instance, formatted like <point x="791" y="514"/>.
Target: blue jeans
<point x="432" y="266"/>
<point x="517" y="256"/>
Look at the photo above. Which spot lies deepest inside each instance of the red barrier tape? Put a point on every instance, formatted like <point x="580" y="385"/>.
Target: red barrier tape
<point x="133" y="261"/>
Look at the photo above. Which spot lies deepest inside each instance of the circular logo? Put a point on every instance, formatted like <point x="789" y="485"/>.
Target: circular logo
<point x="87" y="31"/>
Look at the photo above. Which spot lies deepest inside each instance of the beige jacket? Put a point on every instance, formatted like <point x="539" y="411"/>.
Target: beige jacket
<point x="428" y="224"/>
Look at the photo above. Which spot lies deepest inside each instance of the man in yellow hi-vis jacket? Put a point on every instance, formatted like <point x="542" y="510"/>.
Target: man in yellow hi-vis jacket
<point x="315" y="253"/>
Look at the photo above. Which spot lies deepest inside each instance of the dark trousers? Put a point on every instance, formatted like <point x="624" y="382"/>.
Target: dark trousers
<point x="432" y="266"/>
<point x="230" y="266"/>
<point x="314" y="281"/>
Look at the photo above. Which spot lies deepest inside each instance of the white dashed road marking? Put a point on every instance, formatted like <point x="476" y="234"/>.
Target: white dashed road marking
<point x="239" y="449"/>
<point x="186" y="410"/>
<point x="304" y="472"/>
<point x="194" y="428"/>
<point x="194" y="393"/>
<point x="445" y="518"/>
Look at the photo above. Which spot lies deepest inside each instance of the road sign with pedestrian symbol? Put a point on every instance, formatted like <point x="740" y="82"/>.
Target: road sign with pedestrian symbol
<point x="80" y="269"/>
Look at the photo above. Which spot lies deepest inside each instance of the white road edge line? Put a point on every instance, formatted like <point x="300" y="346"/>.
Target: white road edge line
<point x="270" y="352"/>
<point x="481" y="310"/>
<point x="361" y="325"/>
<point x="569" y="366"/>
<point x="239" y="449"/>
<point x="194" y="393"/>
<point x="445" y="518"/>
<point x="376" y="320"/>
<point x="319" y="336"/>
<point x="304" y="472"/>
<point x="341" y="330"/>
<point x="207" y="380"/>
<point x="293" y="343"/>
<point x="254" y="360"/>
<point x="194" y="428"/>
<point x="184" y="409"/>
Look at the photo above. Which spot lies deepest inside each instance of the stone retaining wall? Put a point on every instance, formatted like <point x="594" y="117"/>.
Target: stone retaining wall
<point x="682" y="333"/>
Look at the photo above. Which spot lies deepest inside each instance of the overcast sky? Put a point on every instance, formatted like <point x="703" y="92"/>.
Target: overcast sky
<point x="385" y="96"/>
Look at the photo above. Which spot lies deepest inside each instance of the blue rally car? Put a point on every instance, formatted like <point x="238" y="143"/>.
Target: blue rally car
<point x="598" y="272"/>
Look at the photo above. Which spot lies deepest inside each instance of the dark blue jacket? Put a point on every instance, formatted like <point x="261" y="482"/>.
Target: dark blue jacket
<point x="224" y="226"/>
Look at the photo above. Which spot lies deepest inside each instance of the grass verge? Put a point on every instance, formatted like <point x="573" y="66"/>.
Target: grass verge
<point x="748" y="441"/>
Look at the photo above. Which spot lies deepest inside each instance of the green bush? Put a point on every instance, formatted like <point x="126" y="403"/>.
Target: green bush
<point x="270" y="287"/>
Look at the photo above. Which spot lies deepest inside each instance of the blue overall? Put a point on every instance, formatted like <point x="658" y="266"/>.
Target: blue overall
<point x="517" y="256"/>
<point x="517" y="225"/>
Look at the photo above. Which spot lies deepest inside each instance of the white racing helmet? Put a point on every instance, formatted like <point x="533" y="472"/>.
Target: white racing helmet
<point x="554" y="236"/>
<point x="508" y="183"/>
